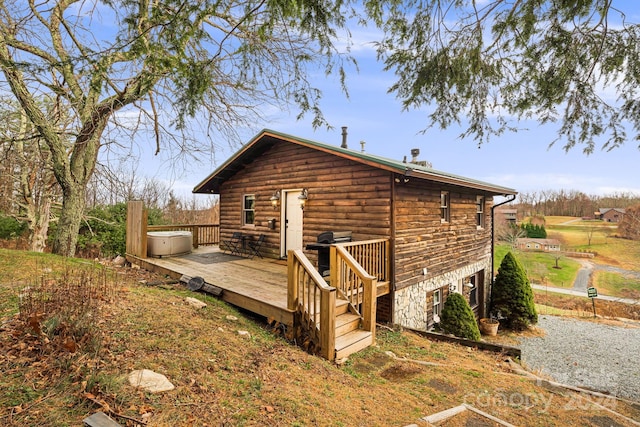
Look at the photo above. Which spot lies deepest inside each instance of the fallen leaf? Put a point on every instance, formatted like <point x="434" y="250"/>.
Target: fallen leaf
<point x="70" y="345"/>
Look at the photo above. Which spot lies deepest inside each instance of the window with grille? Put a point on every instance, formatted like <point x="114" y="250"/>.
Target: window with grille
<point x="480" y="211"/>
<point x="248" y="209"/>
<point x="445" y="209"/>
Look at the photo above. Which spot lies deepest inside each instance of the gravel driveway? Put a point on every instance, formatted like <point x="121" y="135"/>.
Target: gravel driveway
<point x="587" y="354"/>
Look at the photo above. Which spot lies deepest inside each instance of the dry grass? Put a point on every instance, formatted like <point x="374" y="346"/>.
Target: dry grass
<point x="224" y="378"/>
<point x="583" y="307"/>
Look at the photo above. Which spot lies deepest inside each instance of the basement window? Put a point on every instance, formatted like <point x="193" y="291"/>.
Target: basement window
<point x="473" y="292"/>
<point x="248" y="209"/>
<point x="437" y="305"/>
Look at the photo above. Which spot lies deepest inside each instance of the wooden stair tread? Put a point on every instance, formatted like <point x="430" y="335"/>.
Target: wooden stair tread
<point x="346" y="318"/>
<point x="352" y="342"/>
<point x="352" y="338"/>
<point x="346" y="323"/>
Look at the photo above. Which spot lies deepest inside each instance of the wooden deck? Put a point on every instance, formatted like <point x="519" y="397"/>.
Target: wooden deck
<point x="257" y="285"/>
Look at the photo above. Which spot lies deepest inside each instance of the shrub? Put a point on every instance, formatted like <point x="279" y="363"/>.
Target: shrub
<point x="104" y="229"/>
<point x="534" y="231"/>
<point x="457" y="318"/>
<point x="11" y="228"/>
<point x="512" y="297"/>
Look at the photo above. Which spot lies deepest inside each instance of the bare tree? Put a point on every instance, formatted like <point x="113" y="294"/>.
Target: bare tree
<point x="31" y="186"/>
<point x="629" y="226"/>
<point x="122" y="68"/>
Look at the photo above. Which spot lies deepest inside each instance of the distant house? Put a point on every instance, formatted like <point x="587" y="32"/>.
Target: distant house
<point x="610" y="214"/>
<point x="438" y="224"/>
<point x="544" y="245"/>
<point x="509" y="215"/>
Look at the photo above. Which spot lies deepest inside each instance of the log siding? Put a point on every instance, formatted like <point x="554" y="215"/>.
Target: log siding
<point x="343" y="195"/>
<point x="423" y="241"/>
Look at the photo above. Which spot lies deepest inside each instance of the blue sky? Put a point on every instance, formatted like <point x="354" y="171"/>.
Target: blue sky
<point x="523" y="160"/>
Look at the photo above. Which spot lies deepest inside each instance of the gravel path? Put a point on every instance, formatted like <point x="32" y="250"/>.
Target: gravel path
<point x="587" y="354"/>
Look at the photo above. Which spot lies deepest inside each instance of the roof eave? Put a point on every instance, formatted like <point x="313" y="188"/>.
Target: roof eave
<point x="458" y="181"/>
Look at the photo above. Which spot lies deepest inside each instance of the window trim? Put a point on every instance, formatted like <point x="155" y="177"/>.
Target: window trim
<point x="437" y="306"/>
<point x="445" y="207"/>
<point x="245" y="210"/>
<point x="480" y="212"/>
<point x="473" y="291"/>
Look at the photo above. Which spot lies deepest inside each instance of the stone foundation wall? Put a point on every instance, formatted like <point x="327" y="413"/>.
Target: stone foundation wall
<point x="411" y="302"/>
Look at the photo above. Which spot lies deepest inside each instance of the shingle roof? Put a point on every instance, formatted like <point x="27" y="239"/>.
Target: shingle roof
<point x="267" y="138"/>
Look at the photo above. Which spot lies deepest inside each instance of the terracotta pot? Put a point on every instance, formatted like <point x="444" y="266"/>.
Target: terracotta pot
<point x="489" y="326"/>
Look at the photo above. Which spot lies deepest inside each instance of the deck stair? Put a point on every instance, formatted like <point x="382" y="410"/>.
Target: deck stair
<point x="339" y="311"/>
<point x="349" y="338"/>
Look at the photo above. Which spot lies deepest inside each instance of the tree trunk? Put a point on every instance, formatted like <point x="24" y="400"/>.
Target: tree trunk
<point x="73" y="202"/>
<point x="40" y="228"/>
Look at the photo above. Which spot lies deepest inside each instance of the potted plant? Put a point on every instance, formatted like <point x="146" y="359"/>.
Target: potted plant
<point x="489" y="326"/>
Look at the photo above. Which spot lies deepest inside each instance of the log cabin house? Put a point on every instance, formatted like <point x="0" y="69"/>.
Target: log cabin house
<point x="438" y="226"/>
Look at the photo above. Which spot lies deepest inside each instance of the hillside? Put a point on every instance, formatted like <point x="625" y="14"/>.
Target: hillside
<point x="231" y="369"/>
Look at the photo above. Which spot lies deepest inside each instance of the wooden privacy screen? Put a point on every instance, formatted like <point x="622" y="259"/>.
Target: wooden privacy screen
<point x="136" y="229"/>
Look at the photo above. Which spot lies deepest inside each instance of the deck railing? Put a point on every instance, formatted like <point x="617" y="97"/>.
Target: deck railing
<point x="203" y="234"/>
<point x="372" y="255"/>
<point x="313" y="300"/>
<point x="355" y="285"/>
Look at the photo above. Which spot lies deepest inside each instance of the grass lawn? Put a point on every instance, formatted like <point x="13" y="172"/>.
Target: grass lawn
<point x="540" y="266"/>
<point x="234" y="370"/>
<point x="609" y="283"/>
<point x="574" y="233"/>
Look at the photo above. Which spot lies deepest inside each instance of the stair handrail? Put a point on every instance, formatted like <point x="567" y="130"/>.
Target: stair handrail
<point x="309" y="295"/>
<point x="356" y="285"/>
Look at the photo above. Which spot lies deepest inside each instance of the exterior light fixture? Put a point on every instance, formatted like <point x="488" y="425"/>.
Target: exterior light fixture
<point x="302" y="198"/>
<point x="275" y="199"/>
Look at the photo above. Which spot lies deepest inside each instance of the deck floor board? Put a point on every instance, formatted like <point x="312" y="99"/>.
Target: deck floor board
<point x="258" y="285"/>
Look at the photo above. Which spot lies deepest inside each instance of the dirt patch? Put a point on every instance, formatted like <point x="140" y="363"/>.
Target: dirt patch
<point x="379" y="360"/>
<point x="604" y="421"/>
<point x="371" y="365"/>
<point x="442" y="386"/>
<point x="400" y="372"/>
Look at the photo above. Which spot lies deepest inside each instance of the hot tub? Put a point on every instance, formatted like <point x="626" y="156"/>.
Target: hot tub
<point x="168" y="243"/>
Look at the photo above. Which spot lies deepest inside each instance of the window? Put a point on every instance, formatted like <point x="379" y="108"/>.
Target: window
<point x="437" y="305"/>
<point x="444" y="206"/>
<point x="480" y="211"/>
<point x="473" y="292"/>
<point x="248" y="209"/>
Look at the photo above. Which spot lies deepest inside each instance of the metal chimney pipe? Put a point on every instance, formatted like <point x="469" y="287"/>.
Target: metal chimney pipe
<point x="415" y="152"/>
<point x="344" y="137"/>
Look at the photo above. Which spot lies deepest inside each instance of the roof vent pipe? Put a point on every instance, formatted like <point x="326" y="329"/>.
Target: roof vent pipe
<point x="344" y="137"/>
<point x="415" y="152"/>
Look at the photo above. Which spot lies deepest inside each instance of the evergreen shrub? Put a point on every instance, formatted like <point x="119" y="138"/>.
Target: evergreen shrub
<point x="11" y="228"/>
<point x="458" y="319"/>
<point x="512" y="297"/>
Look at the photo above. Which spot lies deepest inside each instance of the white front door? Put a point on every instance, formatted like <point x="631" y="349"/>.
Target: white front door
<point x="292" y="220"/>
